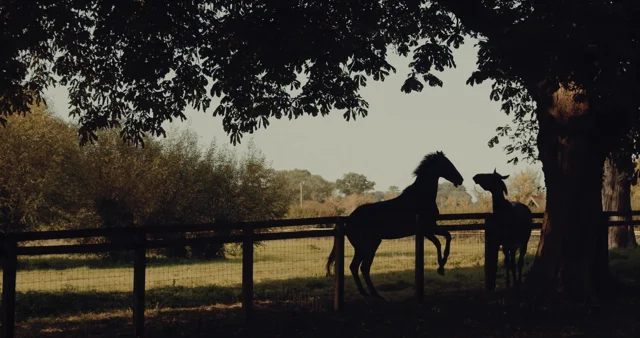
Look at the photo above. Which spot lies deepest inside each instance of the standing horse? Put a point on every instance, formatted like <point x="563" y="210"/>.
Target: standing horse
<point x="512" y="221"/>
<point x="370" y="223"/>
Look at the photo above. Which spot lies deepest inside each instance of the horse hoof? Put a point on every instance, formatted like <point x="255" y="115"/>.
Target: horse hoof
<point x="380" y="297"/>
<point x="441" y="271"/>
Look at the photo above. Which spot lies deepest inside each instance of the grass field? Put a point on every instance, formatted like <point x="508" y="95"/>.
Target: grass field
<point x="83" y="296"/>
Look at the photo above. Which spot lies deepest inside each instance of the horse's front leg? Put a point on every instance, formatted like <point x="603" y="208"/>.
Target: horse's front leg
<point x="447" y="236"/>
<point x="431" y="237"/>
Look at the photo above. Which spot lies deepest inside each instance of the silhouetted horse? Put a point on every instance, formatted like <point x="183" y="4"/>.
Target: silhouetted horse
<point x="369" y="224"/>
<point x="512" y="221"/>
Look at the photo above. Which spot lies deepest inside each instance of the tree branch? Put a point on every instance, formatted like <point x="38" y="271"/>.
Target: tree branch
<point x="476" y="17"/>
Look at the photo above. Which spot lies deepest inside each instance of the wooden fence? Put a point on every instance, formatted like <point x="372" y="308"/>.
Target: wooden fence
<point x="135" y="239"/>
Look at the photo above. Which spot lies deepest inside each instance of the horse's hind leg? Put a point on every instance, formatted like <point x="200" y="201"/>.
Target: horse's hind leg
<point x="431" y="237"/>
<point x="512" y="266"/>
<point x="355" y="264"/>
<point x="506" y="254"/>
<point x="523" y="252"/>
<point x="367" y="261"/>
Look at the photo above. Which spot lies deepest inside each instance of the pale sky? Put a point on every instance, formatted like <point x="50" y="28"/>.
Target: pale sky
<point x="388" y="144"/>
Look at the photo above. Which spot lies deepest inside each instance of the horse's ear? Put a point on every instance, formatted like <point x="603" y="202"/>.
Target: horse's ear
<point x="494" y="171"/>
<point x="505" y="177"/>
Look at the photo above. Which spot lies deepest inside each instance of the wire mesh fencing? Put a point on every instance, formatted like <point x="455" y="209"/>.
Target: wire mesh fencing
<point x="393" y="269"/>
<point x="79" y="292"/>
<point x="194" y="281"/>
<point x="287" y="274"/>
<point x="291" y="273"/>
<point x="190" y="287"/>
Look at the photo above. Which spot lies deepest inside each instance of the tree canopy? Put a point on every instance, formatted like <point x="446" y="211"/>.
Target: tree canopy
<point x="567" y="43"/>
<point x="450" y="197"/>
<point x="354" y="183"/>
<point x="143" y="62"/>
<point x="50" y="183"/>
<point x="314" y="187"/>
<point x="39" y="166"/>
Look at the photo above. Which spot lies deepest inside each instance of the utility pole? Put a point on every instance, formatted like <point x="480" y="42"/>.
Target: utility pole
<point x="300" y="193"/>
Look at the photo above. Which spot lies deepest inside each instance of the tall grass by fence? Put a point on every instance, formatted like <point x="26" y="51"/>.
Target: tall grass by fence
<point x="248" y="276"/>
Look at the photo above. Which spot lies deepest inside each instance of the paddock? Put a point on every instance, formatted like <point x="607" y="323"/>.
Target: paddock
<point x="62" y="284"/>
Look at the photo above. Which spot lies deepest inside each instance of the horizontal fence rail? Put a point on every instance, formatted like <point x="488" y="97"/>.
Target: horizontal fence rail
<point x="186" y="228"/>
<point x="135" y="239"/>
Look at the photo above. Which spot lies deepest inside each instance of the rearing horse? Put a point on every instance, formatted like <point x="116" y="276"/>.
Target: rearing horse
<point x="370" y="223"/>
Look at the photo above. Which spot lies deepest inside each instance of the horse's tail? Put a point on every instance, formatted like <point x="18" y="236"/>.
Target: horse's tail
<point x="332" y="255"/>
<point x="331" y="259"/>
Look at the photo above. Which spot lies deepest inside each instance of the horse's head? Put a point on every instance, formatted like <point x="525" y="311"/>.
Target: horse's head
<point x="438" y="165"/>
<point x="492" y="182"/>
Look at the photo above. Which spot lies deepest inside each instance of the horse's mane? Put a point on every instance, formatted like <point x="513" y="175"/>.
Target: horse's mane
<point x="426" y="162"/>
<point x="424" y="165"/>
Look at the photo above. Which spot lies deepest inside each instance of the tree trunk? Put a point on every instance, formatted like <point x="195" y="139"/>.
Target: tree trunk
<point x="572" y="255"/>
<point x="616" y="196"/>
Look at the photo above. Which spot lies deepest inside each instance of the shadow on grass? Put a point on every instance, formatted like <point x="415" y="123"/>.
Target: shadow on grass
<point x="454" y="306"/>
<point x="33" y="304"/>
<point x="443" y="314"/>
<point x="314" y="293"/>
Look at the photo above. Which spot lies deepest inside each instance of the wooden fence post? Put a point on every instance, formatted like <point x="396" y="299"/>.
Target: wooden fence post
<point x="247" y="271"/>
<point x="139" y="278"/>
<point x="9" y="266"/>
<point x="338" y="242"/>
<point x="419" y="261"/>
<point x="491" y="247"/>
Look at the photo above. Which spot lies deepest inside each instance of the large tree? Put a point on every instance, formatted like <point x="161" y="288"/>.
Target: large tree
<point x="551" y="59"/>
<point x="143" y="62"/>
<point x="450" y="197"/>
<point x="354" y="183"/>
<point x="619" y="173"/>
<point x="177" y="181"/>
<point x="525" y="186"/>
<point x="39" y="171"/>
<point x="616" y="196"/>
<point x="306" y="186"/>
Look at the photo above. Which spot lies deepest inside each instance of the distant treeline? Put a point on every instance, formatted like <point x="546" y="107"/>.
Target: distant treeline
<point x="49" y="182"/>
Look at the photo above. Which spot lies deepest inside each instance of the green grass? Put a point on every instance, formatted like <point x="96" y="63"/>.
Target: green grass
<point x="274" y="260"/>
<point x="84" y="296"/>
<point x="285" y="270"/>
